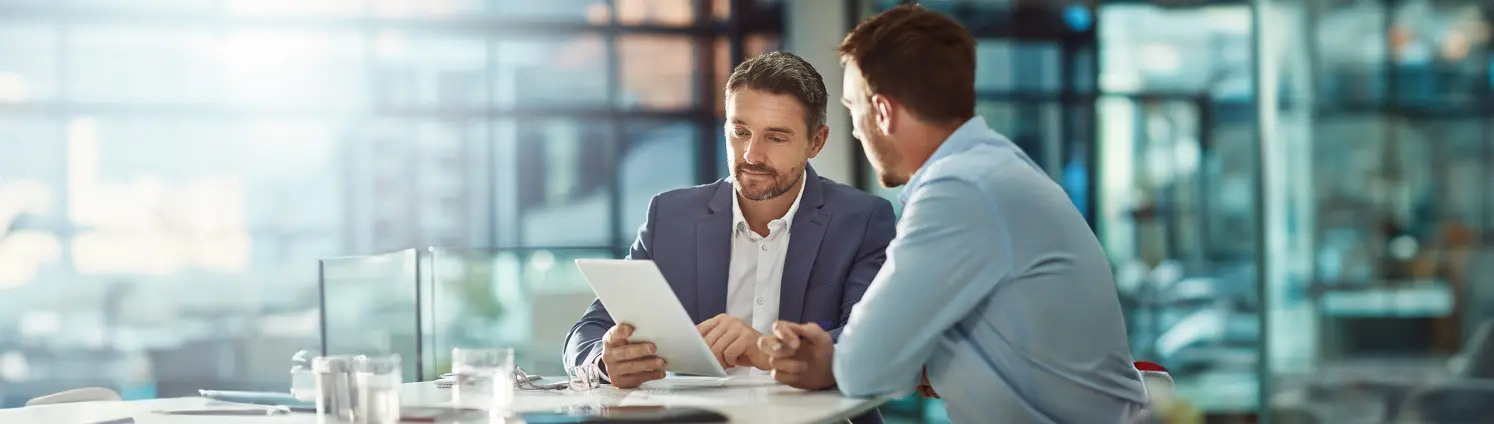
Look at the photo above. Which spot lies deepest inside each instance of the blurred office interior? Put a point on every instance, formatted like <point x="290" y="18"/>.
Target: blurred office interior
<point x="1293" y="193"/>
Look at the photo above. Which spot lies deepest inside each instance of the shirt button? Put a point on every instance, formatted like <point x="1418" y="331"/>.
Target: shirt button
<point x="759" y="300"/>
<point x="765" y="247"/>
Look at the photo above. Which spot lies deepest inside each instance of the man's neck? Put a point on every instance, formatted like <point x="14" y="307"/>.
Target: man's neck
<point x="759" y="213"/>
<point x="926" y="140"/>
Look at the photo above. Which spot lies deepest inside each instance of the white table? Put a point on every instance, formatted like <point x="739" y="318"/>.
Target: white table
<point x="761" y="403"/>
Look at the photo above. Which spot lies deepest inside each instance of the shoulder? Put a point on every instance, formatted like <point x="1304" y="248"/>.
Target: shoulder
<point x="843" y="198"/>
<point x="687" y="198"/>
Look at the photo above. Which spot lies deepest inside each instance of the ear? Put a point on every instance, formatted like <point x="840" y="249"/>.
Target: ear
<point x="817" y="141"/>
<point x="882" y="111"/>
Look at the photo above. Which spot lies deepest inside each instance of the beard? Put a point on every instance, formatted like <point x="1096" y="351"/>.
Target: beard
<point x="885" y="159"/>
<point x="781" y="182"/>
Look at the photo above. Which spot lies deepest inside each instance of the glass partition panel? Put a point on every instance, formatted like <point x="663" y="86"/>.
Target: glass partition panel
<point x="525" y="298"/>
<point x="369" y="307"/>
<point x="1379" y="293"/>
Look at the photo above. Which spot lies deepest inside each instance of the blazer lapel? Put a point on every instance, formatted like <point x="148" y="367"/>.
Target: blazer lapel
<point x="713" y="255"/>
<point x="805" y="235"/>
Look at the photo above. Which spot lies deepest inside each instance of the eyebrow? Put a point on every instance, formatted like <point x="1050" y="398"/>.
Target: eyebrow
<point x="735" y="121"/>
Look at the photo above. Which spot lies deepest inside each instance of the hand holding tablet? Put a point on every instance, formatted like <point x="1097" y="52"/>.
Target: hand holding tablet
<point x="629" y="364"/>
<point x="657" y="326"/>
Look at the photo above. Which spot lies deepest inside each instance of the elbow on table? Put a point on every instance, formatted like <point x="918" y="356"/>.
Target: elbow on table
<point x="858" y="381"/>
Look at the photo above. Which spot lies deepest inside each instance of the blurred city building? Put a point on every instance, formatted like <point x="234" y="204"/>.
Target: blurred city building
<point x="1294" y="194"/>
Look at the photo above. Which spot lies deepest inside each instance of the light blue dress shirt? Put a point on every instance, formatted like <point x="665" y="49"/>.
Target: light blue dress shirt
<point x="998" y="286"/>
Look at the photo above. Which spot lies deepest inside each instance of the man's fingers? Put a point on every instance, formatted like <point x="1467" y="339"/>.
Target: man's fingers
<point x="618" y="335"/>
<point x="774" y="347"/>
<point x="815" y="334"/>
<point x="706" y="327"/>
<point x="737" y="350"/>
<point x="627" y="352"/>
<point x="716" y="334"/>
<point x="786" y="335"/>
<point x="631" y="351"/>
<point x="653" y="375"/>
<point x="788" y="378"/>
<point x="792" y="366"/>
<point x="807" y="332"/>
<point x="627" y="368"/>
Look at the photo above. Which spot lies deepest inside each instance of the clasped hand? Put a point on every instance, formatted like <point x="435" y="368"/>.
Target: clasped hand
<point x="800" y="355"/>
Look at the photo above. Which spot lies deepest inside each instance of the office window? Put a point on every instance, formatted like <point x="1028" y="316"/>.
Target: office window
<point x="172" y="170"/>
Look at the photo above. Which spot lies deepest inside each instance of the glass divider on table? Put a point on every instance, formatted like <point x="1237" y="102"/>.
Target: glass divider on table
<point x="369" y="306"/>
<point x="524" y="298"/>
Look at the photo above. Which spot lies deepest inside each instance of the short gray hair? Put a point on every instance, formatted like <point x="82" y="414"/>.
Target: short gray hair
<point x="785" y="74"/>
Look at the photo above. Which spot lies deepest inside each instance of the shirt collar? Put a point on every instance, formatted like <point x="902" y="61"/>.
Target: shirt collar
<point x="972" y="132"/>
<point x="739" y="222"/>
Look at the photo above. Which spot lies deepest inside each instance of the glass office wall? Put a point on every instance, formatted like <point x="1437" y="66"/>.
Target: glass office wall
<point x="1378" y="315"/>
<point x="1144" y="112"/>
<point x="171" y="171"/>
<point x="1325" y="250"/>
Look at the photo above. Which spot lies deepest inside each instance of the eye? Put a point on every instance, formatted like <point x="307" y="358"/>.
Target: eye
<point x="738" y="132"/>
<point x="779" y="140"/>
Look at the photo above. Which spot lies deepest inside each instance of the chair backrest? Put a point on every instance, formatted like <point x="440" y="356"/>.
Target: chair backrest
<point x="1468" y="401"/>
<point x="86" y="394"/>
<point x="1477" y="358"/>
<point x="1155" y="378"/>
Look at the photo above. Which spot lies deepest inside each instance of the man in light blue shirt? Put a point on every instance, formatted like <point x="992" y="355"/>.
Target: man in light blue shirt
<point x="995" y="289"/>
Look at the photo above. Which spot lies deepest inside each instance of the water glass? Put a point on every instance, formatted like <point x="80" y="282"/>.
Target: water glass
<point x="484" y="377"/>
<point x="376" y="380"/>
<point x="334" y="391"/>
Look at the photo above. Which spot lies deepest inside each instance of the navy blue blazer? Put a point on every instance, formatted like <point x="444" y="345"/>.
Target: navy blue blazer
<point x="838" y="243"/>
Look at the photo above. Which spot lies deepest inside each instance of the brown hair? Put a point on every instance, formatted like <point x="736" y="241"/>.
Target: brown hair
<point x="923" y="59"/>
<point x="784" y="73"/>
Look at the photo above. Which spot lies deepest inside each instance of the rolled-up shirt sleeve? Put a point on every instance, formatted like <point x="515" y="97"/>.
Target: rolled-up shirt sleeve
<point x="948" y="255"/>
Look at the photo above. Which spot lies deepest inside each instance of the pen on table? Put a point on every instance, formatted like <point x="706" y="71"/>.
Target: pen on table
<point x="125" y="420"/>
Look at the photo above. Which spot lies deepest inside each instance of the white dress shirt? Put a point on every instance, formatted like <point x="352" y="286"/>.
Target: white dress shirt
<point x="755" y="275"/>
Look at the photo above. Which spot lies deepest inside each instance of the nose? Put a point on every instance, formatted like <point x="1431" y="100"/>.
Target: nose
<point x="756" y="151"/>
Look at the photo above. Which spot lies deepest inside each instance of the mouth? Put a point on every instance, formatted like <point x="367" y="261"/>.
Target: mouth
<point x="755" y="173"/>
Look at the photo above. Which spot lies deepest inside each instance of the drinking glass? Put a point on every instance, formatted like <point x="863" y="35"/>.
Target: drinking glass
<point x="484" y="377"/>
<point x="376" y="380"/>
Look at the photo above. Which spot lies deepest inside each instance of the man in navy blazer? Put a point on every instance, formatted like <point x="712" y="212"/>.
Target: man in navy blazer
<point x="773" y="241"/>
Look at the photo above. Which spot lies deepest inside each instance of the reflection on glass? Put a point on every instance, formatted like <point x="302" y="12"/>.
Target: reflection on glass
<point x="658" y="12"/>
<point x="1205" y="49"/>
<point x="420" y="70"/>
<point x="152" y="5"/>
<point x="338" y="8"/>
<point x="368" y="307"/>
<point x="564" y="175"/>
<point x="656" y="72"/>
<point x="1382" y="285"/>
<point x="28" y="70"/>
<point x="1017" y="66"/>
<point x="524" y="298"/>
<point x="1175" y="209"/>
<point x="654" y="160"/>
<point x="166" y="187"/>
<point x="116" y="64"/>
<point x="417" y="182"/>
<point x="550" y="71"/>
<point x="754" y="45"/>
<point x="590" y="11"/>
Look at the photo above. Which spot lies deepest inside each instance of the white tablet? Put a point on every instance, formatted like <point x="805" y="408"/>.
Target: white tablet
<point x="635" y="292"/>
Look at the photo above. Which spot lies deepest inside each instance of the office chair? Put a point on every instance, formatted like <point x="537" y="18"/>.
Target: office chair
<point x="1465" y="402"/>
